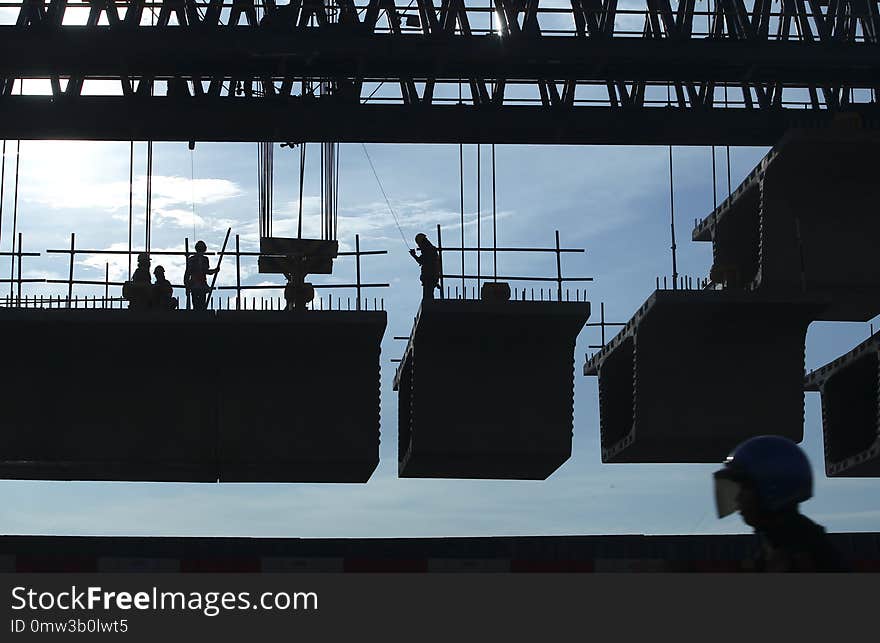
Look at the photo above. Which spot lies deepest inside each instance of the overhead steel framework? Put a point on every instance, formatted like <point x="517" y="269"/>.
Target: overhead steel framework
<point x="506" y="71"/>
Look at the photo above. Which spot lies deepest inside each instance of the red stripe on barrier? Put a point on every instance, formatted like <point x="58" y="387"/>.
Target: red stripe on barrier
<point x="866" y="565"/>
<point x="390" y="565"/>
<point x="552" y="566"/>
<point x="220" y="565"/>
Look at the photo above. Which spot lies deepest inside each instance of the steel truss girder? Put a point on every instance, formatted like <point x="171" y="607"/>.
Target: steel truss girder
<point x="328" y="119"/>
<point x="246" y="52"/>
<point x="826" y="50"/>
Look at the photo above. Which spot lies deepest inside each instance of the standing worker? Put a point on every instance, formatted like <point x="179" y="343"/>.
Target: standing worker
<point x="765" y="479"/>
<point x="195" y="279"/>
<point x="429" y="260"/>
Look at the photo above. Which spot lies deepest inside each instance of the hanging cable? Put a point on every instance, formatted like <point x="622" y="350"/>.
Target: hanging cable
<point x="728" y="147"/>
<point x="15" y="218"/>
<point x="729" y="191"/>
<point x="479" y="214"/>
<point x="302" y="178"/>
<point x="494" y="222"/>
<point x="387" y="202"/>
<point x="192" y="183"/>
<point x="2" y="185"/>
<point x="672" y="221"/>
<point x="461" y="190"/>
<point x="266" y="185"/>
<point x="149" y="206"/>
<point x="336" y="192"/>
<point x="130" y="201"/>
<point x="714" y="183"/>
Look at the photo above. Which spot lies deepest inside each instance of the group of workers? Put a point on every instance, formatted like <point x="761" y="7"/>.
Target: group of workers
<point x="144" y="294"/>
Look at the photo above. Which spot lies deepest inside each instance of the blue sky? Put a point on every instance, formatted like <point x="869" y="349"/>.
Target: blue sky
<point x="613" y="201"/>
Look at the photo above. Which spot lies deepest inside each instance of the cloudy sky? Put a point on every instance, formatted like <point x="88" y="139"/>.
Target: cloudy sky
<point x="612" y="201"/>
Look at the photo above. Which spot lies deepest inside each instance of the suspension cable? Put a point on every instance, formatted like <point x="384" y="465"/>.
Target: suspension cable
<point x="387" y="202"/>
<point x="266" y="185"/>
<point x="494" y="222"/>
<point x="672" y="221"/>
<point x="2" y="184"/>
<point x="714" y="183"/>
<point x="14" y="217"/>
<point x="130" y="201"/>
<point x="302" y="178"/>
<point x="336" y="191"/>
<point x="461" y="187"/>
<point x="192" y="183"/>
<point x="149" y="207"/>
<point x="479" y="214"/>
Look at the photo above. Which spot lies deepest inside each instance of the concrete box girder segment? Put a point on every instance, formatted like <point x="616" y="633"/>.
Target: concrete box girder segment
<point x="191" y="397"/>
<point x="304" y="405"/>
<point x="486" y="389"/>
<point x="696" y="372"/>
<point x="804" y="222"/>
<point x="850" y="389"/>
<point x="106" y="395"/>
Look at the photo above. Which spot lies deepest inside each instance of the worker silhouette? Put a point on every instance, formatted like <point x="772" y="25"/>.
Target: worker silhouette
<point x="298" y="293"/>
<point x="138" y="289"/>
<point x="163" y="291"/>
<point x="195" y="279"/>
<point x="765" y="479"/>
<point x="429" y="260"/>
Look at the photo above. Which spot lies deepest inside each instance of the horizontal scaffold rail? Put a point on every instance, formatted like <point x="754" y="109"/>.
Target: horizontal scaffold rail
<point x="584" y="71"/>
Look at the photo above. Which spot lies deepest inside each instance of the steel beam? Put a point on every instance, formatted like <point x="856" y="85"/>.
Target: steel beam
<point x="320" y="53"/>
<point x="250" y="119"/>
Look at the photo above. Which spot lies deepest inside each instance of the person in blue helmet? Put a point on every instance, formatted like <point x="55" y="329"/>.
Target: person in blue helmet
<point x="765" y="479"/>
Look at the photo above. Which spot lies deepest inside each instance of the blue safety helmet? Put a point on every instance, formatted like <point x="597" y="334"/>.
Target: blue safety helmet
<point x="776" y="469"/>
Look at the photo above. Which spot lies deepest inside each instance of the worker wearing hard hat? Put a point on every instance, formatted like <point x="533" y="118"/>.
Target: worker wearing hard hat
<point x="765" y="479"/>
<point x="138" y="290"/>
<point x="195" y="278"/>
<point x="163" y="291"/>
<point x="429" y="260"/>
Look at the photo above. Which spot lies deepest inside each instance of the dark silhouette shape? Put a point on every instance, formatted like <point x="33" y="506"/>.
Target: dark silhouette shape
<point x="429" y="260"/>
<point x="195" y="278"/>
<point x="765" y="478"/>
<point x="476" y="437"/>
<point x="850" y="387"/>
<point x="163" y="291"/>
<point x="739" y="356"/>
<point x="138" y="290"/>
<point x="298" y="293"/>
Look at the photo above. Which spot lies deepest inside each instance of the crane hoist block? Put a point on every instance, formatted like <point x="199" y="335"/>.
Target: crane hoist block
<point x="106" y="395"/>
<point x="695" y="372"/>
<point x="191" y="397"/>
<point x="486" y="389"/>
<point x="804" y="221"/>
<point x="851" y="410"/>
<point x="303" y="406"/>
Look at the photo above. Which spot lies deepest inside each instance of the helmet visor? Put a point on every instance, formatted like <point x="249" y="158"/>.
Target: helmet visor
<point x="727" y="493"/>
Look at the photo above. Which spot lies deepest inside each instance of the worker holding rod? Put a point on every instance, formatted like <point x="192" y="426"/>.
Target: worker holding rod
<point x="195" y="279"/>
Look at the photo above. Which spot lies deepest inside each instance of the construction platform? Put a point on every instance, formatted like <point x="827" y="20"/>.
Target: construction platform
<point x="850" y="388"/>
<point x="486" y="389"/>
<point x="191" y="397"/>
<point x="803" y="221"/>
<point x="696" y="372"/>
